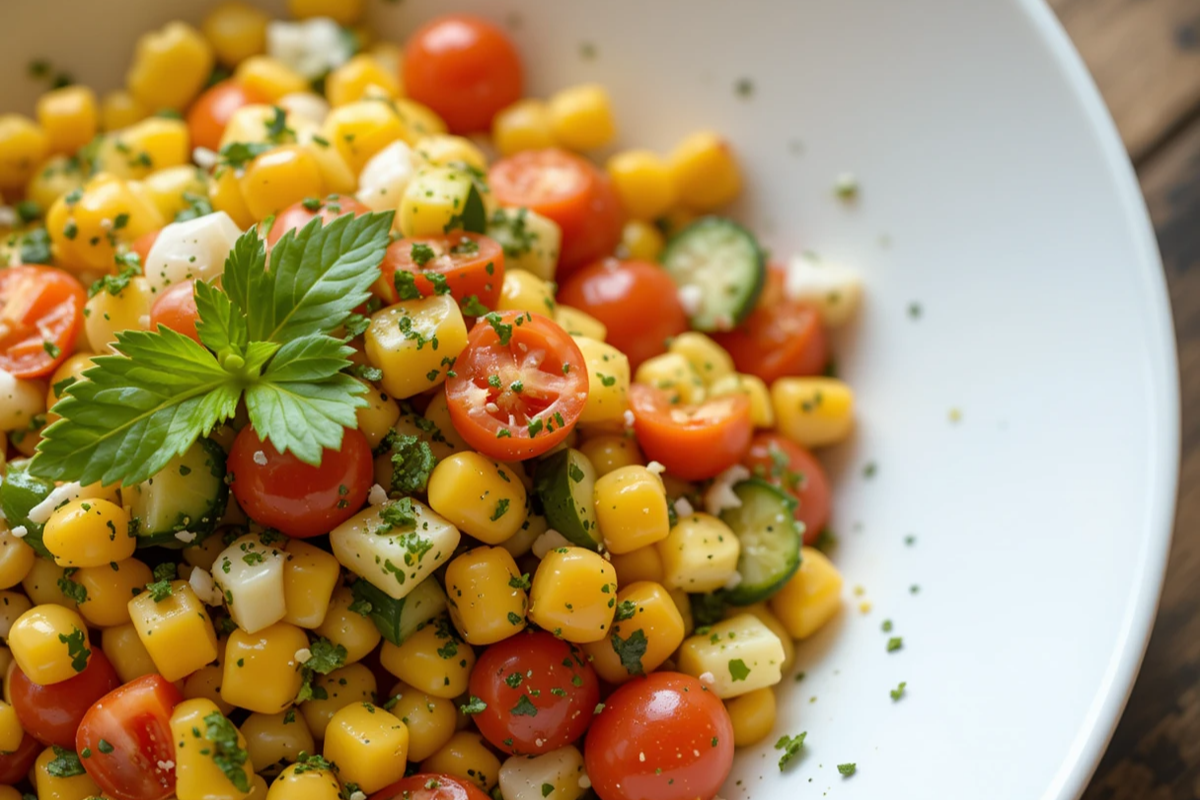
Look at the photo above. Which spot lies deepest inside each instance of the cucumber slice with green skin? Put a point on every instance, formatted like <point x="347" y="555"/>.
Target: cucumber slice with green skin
<point x="19" y="493"/>
<point x="769" y="537"/>
<point x="565" y="483"/>
<point x="398" y="619"/>
<point x="724" y="263"/>
<point x="188" y="494"/>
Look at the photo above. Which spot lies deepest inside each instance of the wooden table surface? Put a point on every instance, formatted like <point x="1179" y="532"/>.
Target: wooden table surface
<point x="1145" y="56"/>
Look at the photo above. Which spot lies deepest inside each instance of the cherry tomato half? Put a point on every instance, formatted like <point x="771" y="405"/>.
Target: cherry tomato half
<point x="519" y="386"/>
<point x="15" y="766"/>
<point x="787" y="464"/>
<point x="571" y="191"/>
<point x="175" y="308"/>
<point x="134" y="721"/>
<point x="297" y="215"/>
<point x="431" y="786"/>
<point x="471" y="263"/>
<point x="464" y="68"/>
<point x="208" y="116"/>
<point x="282" y="492"/>
<point x="662" y="737"/>
<point x="636" y="300"/>
<point x="143" y="244"/>
<point x="52" y="713"/>
<point x="692" y="442"/>
<point x="540" y="693"/>
<point x="41" y="309"/>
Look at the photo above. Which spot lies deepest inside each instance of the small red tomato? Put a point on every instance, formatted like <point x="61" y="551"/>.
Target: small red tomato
<point x="175" y="308"/>
<point x="212" y="110"/>
<point x="430" y="786"/>
<point x="692" y="442"/>
<point x="471" y="263"/>
<point x="785" y="463"/>
<point x="297" y="215"/>
<point x="52" y="713"/>
<point x="41" y="312"/>
<point x="15" y="766"/>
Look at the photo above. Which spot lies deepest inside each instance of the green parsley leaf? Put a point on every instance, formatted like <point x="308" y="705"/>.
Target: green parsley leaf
<point x="406" y="285"/>
<point x="630" y="651"/>
<point x="277" y="129"/>
<point x="547" y="789"/>
<point x="421" y="254"/>
<point x="198" y="205"/>
<point x="625" y="610"/>
<point x="503" y="331"/>
<point x="226" y="753"/>
<point x="472" y="307"/>
<point x="898" y="692"/>
<point x="238" y="154"/>
<point x="35" y="247"/>
<point x="65" y="763"/>
<point x="324" y="657"/>
<point x="473" y="706"/>
<point x="501" y="509"/>
<point x="77" y="648"/>
<point x="220" y="327"/>
<point x="312" y="763"/>
<point x="412" y="462"/>
<point x="522" y="582"/>
<point x="738" y="669"/>
<point x="399" y="515"/>
<point x="115" y="284"/>
<point x="474" y="214"/>
<point x="894" y="644"/>
<point x="790" y="745"/>
<point x="159" y="590"/>
<point x="104" y="747"/>
<point x="68" y="586"/>
<point x="846" y="770"/>
<point x="524" y="707"/>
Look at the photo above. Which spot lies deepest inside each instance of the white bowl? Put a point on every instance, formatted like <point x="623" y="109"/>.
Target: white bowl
<point x="997" y="196"/>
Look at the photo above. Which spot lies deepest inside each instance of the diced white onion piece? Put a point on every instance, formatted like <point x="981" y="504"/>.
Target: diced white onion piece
<point x="251" y="572"/>
<point x="63" y="494"/>
<point x="524" y="778"/>
<point x="202" y="584"/>
<point x="690" y="297"/>
<point x="196" y="248"/>
<point x="550" y="540"/>
<point x="20" y="401"/>
<point x="312" y="47"/>
<point x="384" y="178"/>
<point x="395" y="560"/>
<point x="835" y="290"/>
<point x="377" y="496"/>
<point x="683" y="507"/>
<point x="720" y="495"/>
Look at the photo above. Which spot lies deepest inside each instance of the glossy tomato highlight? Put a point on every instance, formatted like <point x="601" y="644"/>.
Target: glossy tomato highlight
<point x="693" y="442"/>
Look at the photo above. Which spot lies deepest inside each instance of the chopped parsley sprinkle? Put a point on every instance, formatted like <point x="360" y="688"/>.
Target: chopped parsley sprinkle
<point x="473" y="706"/>
<point x="524" y="708"/>
<point x="406" y="285"/>
<point x="894" y="644"/>
<point x="65" y="763"/>
<point x="886" y="627"/>
<point x="504" y="331"/>
<point x="847" y="770"/>
<point x="547" y="789"/>
<point x="790" y="745"/>
<point x="501" y="509"/>
<point x="630" y="651"/>
<point x="522" y="582"/>
<point x="77" y="648"/>
<point x="738" y="669"/>
<point x="898" y="692"/>
<point x="226" y="753"/>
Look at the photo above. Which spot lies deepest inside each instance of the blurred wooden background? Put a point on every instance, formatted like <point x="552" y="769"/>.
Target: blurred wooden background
<point x="1145" y="56"/>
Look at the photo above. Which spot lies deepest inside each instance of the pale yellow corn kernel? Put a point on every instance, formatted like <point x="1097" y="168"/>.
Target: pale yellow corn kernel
<point x="643" y="606"/>
<point x="574" y="595"/>
<point x="752" y="715"/>
<point x="433" y="199"/>
<point x="417" y="120"/>
<point x="409" y="361"/>
<point x="126" y="653"/>
<point x="12" y="606"/>
<point x="198" y="773"/>
<point x="707" y="358"/>
<point x="334" y="170"/>
<point x="70" y="371"/>
<point x="434" y="660"/>
<point x="16" y="559"/>
<point x="170" y="66"/>
<point x="41" y="584"/>
<point x="49" y="643"/>
<point x="705" y="172"/>
<point x="236" y="31"/>
<point x="641" y="240"/>
<point x="269" y="77"/>
<point x="69" y="117"/>
<point x="485" y="606"/>
<point x="225" y="194"/>
<point x="525" y="125"/>
<point x="109" y="589"/>
<point x="120" y="109"/>
<point x="683" y="605"/>
<point x="579" y="323"/>
<point x="361" y="129"/>
<point x="608" y="381"/>
<point x="84" y="233"/>
<point x="11" y="733"/>
<point x="643" y="182"/>
<point x="733" y="657"/>
<point x="205" y="683"/>
<point x="764" y="614"/>
<point x="479" y="496"/>
<point x="700" y="554"/>
<point x="395" y="558"/>
<point x="430" y="720"/>
<point x="54" y="178"/>
<point x="522" y="541"/>
<point x="672" y="373"/>
<point x="169" y="188"/>
<point x="176" y="631"/>
<point x="524" y="291"/>
<point x="811" y="598"/>
<point x="309" y="577"/>
<point x="531" y="241"/>
<point x="274" y="738"/>
<point x="762" y="413"/>
<point x="443" y="150"/>
<point x="280" y="178"/>
<point x="610" y="451"/>
<point x="204" y="554"/>
<point x="813" y="412"/>
<point x="20" y="402"/>
<point x="581" y="117"/>
<point x="438" y="412"/>
<point x="465" y="757"/>
<point x="369" y="745"/>
<point x="354" y="683"/>
<point x="631" y="509"/>
<point x="350" y="629"/>
<point x="135" y="152"/>
<point x="249" y="124"/>
<point x="377" y="417"/>
<point x="305" y="110"/>
<point x="643" y="564"/>
<point x="89" y="533"/>
<point x="23" y="147"/>
<point x="262" y="672"/>
<point x="105" y="314"/>
<point x="303" y="782"/>
<point x="51" y="786"/>
<point x="348" y="83"/>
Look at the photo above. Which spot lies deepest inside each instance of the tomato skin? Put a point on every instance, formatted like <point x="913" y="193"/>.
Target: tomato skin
<point x="15" y="766"/>
<point x="135" y="719"/>
<point x="51" y="714"/>
<point x="600" y="232"/>
<point x="37" y="305"/>
<point x="175" y="308"/>
<point x="540" y="659"/>
<point x="662" y="737"/>
<point x="636" y="300"/>
<point x="210" y="113"/>
<point x="692" y="442"/>
<point x="298" y="499"/>
<point x="143" y="243"/>
<point x="296" y="216"/>
<point x="466" y="274"/>
<point x="809" y="485"/>
<point x="464" y="68"/>
<point x="421" y="787"/>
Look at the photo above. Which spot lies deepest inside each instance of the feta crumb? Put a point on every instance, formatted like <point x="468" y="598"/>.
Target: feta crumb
<point x="846" y="186"/>
<point x="550" y="540"/>
<point x="734" y="580"/>
<point x="835" y="290"/>
<point x="260" y="458"/>
<point x="187" y="537"/>
<point x="641" y="756"/>
<point x="720" y="495"/>
<point x="303" y="655"/>
<point x="20" y="531"/>
<point x="690" y="297"/>
<point x="377" y="496"/>
<point x="59" y="495"/>
<point x="202" y="584"/>
<point x="628" y="417"/>
<point x="656" y="468"/>
<point x="205" y="158"/>
<point x="585" y="782"/>
<point x="707" y="677"/>
<point x="166" y="765"/>
<point x="311" y="47"/>
<point x="8" y="217"/>
<point x="357" y="795"/>
<point x="683" y="507"/>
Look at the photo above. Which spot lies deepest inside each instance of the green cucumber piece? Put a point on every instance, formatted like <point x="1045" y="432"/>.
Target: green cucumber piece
<point x="19" y="493"/>
<point x="565" y="483"/>
<point x="188" y="494"/>
<point x="398" y="619"/>
<point x="724" y="262"/>
<point x="770" y="538"/>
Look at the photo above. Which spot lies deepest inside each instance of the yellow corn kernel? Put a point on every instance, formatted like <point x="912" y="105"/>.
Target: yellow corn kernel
<point x="581" y="117"/>
<point x="69" y="117"/>
<point x="416" y="120"/>
<point x="334" y="169"/>
<point x="105" y="314"/>
<point x="434" y="660"/>
<point x="348" y="83"/>
<point x="354" y="683"/>
<point x="49" y="643"/>
<point x="11" y="733"/>
<point x="466" y="757"/>
<point x="608" y="381"/>
<point x="438" y="412"/>
<point x="197" y="774"/>
<point x="249" y="124"/>
<point x="262" y="672"/>
<point x="134" y="152"/>
<point x="54" y="178"/>
<point x="641" y="240"/>
<point x="343" y="12"/>
<point x="225" y="194"/>
<point x="631" y="509"/>
<point x="683" y="605"/>
<point x="644" y="183"/>
<point x="479" y="496"/>
<point x="579" y="323"/>
<point x="52" y="786"/>
<point x="41" y="584"/>
<point x="121" y="109"/>
<point x="236" y="31"/>
<point x="707" y="358"/>
<point x="269" y="77"/>
<point x="169" y="188"/>
<point x="763" y="612"/>
<point x="609" y="452"/>
<point x="643" y="564"/>
<point x="524" y="291"/>
<point x="16" y="559"/>
<point x="705" y="172"/>
<point x="170" y="66"/>
<point x="762" y="414"/>
<point x="302" y="782"/>
<point x="406" y="355"/>
<point x="361" y="129"/>
<point x="109" y="589"/>
<point x="647" y="607"/>
<point x="73" y="369"/>
<point x="443" y="150"/>
<point x="811" y="598"/>
<point x="522" y="542"/>
<point x="89" y="533"/>
<point x="672" y="373"/>
<point x="205" y="683"/>
<point x="12" y="606"/>
<point x="376" y="419"/>
<point x="813" y="412"/>
<point x="309" y="577"/>
<point x="176" y="631"/>
<point x="573" y="595"/>
<point x="23" y="146"/>
<point x="84" y="233"/>
<point x="430" y="720"/>
<point x="752" y="715"/>
<point x="272" y="738"/>
<point x="434" y="197"/>
<point x="348" y="628"/>
<point x="485" y="606"/>
<point x="700" y="554"/>
<point x="125" y="651"/>
<point x="279" y="178"/>
<point x="525" y="125"/>
<point x="369" y="745"/>
<point x="739" y="655"/>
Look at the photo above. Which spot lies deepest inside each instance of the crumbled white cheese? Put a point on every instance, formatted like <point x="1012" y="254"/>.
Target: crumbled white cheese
<point x="690" y="298"/>
<point x="202" y="584"/>
<point x="683" y="507"/>
<point x="187" y="537"/>
<point x="205" y="158"/>
<point x="656" y="468"/>
<point x="311" y="47"/>
<point x="550" y="540"/>
<point x="260" y="458"/>
<point x="303" y="655"/>
<point x="59" y="495"/>
<point x="734" y="580"/>
<point x="357" y="795"/>
<point x="166" y="765"/>
<point x="628" y="417"/>
<point x="8" y="217"/>
<point x="641" y="756"/>
<point x="707" y="677"/>
<point x="720" y="495"/>
<point x="585" y="782"/>
<point x="20" y="531"/>
<point x="834" y="290"/>
<point x="377" y="496"/>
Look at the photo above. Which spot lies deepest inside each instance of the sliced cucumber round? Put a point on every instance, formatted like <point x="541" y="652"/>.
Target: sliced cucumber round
<point x="188" y="494"/>
<point x="565" y="482"/>
<point x="770" y="538"/>
<point x="720" y="264"/>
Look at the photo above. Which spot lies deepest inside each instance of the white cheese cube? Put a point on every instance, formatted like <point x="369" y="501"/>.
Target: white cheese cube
<point x="394" y="559"/>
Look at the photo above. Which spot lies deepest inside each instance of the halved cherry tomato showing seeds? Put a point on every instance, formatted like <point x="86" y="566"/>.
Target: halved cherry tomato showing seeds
<point x="175" y="308"/>
<point x="52" y="713"/>
<point x="785" y="463"/>
<point x="471" y="264"/>
<point x="208" y="116"/>
<point x="41" y="309"/>
<point x="519" y="386"/>
<point x="431" y="786"/>
<point x="297" y="215"/>
<point x="692" y="442"/>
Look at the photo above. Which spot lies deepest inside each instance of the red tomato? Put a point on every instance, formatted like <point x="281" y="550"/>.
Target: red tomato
<point x="569" y="190"/>
<point x="208" y="116"/>
<point x="15" y="766"/>
<point x="472" y="264"/>
<point x="143" y="243"/>
<point x="787" y="464"/>
<point x="662" y="737"/>
<point x="431" y="786"/>
<point x="464" y="68"/>
<point x="540" y="693"/>
<point x="297" y="498"/>
<point x="636" y="300"/>
<point x="692" y="442"/>
<point x="52" y="713"/>
<point x="134" y="721"/>
<point x="41" y="309"/>
<point x="545" y="365"/>
<point x="296" y="216"/>
<point x="175" y="308"/>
